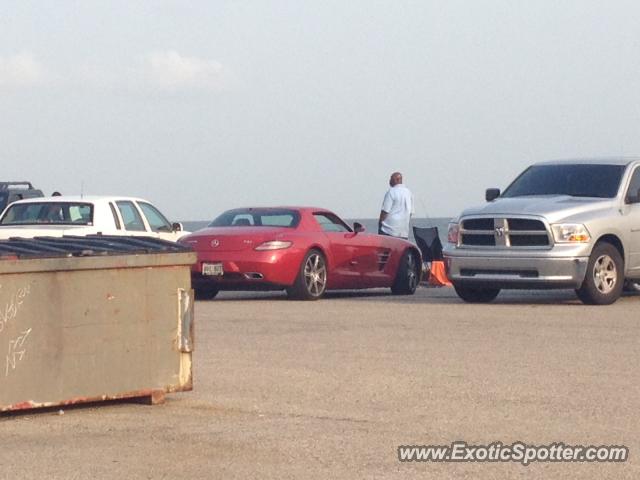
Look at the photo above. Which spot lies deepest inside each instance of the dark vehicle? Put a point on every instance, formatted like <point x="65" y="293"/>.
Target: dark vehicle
<point x="12" y="191"/>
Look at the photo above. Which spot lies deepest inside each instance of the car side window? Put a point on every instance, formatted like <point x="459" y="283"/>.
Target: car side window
<point x="634" y="186"/>
<point x="116" y="220"/>
<point x="285" y="220"/>
<point x="330" y="223"/>
<point x="130" y="216"/>
<point x="157" y="221"/>
<point x="243" y="220"/>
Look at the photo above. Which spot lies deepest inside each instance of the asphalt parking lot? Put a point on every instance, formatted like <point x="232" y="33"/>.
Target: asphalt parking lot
<point x="330" y="389"/>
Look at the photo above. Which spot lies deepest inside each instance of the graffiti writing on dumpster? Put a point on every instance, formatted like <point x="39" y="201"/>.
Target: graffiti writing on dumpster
<point x="10" y="310"/>
<point x="9" y="314"/>
<point x="16" y="351"/>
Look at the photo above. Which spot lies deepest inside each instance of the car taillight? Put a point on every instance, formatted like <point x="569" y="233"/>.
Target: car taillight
<point x="274" y="245"/>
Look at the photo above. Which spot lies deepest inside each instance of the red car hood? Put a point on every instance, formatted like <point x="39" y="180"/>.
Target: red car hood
<point x="232" y="239"/>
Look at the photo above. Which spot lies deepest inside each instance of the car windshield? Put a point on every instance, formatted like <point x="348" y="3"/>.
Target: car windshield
<point x="44" y="213"/>
<point x="256" y="217"/>
<point x="576" y="180"/>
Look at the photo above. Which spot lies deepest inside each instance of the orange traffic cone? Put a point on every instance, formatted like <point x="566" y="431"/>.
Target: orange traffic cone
<point x="438" y="275"/>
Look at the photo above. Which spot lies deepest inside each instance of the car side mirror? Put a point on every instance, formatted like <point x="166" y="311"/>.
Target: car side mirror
<point x="177" y="227"/>
<point x="358" y="227"/>
<point x="633" y="198"/>
<point x="491" y="194"/>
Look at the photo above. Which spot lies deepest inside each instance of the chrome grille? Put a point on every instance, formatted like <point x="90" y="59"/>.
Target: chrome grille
<point x="504" y="232"/>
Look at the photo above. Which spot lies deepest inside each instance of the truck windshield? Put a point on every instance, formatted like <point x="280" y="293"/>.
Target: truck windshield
<point x="576" y="180"/>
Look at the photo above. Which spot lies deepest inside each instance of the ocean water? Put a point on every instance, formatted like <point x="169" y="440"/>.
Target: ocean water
<point x="371" y="225"/>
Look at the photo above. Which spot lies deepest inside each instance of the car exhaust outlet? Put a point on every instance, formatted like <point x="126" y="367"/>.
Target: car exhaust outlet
<point x="254" y="276"/>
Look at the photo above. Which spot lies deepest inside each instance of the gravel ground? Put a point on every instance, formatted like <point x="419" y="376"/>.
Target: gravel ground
<point x="330" y="389"/>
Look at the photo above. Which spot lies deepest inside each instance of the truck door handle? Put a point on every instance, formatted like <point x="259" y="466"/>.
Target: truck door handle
<point x="353" y="263"/>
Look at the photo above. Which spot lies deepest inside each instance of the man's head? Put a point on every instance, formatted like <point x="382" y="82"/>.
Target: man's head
<point x="396" y="178"/>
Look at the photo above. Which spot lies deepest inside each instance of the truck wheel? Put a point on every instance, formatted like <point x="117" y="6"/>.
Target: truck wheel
<point x="205" y="293"/>
<point x="408" y="274"/>
<point x="476" y="294"/>
<point x="605" y="276"/>
<point x="311" y="281"/>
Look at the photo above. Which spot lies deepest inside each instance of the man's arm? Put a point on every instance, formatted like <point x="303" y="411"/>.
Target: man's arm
<point x="386" y="208"/>
<point x="413" y="207"/>
<point x="383" y="216"/>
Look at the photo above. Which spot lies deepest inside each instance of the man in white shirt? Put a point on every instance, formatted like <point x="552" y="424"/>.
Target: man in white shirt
<point x="397" y="208"/>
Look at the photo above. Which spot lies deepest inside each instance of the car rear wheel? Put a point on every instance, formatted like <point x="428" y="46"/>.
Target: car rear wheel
<point x="408" y="275"/>
<point x="205" y="293"/>
<point x="476" y="294"/>
<point x="604" y="280"/>
<point x="311" y="282"/>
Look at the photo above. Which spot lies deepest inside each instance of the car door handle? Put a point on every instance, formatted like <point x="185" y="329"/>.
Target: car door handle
<point x="353" y="263"/>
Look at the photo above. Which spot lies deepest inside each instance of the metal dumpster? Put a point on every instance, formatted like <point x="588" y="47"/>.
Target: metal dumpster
<point x="85" y="319"/>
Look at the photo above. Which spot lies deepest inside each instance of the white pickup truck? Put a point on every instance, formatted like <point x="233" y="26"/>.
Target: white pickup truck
<point x="68" y="215"/>
<point x="563" y="224"/>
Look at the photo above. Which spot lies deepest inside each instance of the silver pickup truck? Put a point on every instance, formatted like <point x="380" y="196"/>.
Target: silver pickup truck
<point x="562" y="224"/>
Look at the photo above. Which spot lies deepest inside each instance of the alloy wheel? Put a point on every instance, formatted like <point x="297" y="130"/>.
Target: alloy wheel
<point x="605" y="274"/>
<point x="315" y="274"/>
<point x="412" y="274"/>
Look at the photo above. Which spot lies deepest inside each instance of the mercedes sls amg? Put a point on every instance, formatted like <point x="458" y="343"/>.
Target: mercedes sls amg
<point x="305" y="251"/>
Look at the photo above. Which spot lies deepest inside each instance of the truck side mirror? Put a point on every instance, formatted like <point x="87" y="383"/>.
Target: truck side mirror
<point x="177" y="227"/>
<point x="491" y="194"/>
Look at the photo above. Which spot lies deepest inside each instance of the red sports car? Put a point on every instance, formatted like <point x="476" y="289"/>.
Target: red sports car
<point x="305" y="251"/>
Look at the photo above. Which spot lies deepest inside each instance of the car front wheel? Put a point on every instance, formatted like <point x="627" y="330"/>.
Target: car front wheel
<point x="205" y="293"/>
<point x="476" y="294"/>
<point x="408" y="275"/>
<point x="604" y="280"/>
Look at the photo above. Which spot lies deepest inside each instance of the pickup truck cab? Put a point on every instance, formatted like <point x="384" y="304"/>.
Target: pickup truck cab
<point x="562" y="224"/>
<point x="12" y="191"/>
<point x="69" y="215"/>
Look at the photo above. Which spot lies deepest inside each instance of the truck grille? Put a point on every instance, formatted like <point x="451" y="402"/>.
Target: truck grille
<point x="503" y="232"/>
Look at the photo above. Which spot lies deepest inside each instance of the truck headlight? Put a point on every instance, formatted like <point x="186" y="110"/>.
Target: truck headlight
<point x="453" y="233"/>
<point x="570" y="233"/>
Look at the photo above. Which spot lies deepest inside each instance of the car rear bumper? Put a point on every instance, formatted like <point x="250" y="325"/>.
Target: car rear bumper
<point x="528" y="272"/>
<point x="249" y="269"/>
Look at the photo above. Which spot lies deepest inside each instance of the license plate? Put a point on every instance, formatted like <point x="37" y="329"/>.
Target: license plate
<point x="212" y="269"/>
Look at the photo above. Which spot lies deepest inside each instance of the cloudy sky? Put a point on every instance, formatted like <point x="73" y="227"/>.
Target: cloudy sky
<point x="206" y="105"/>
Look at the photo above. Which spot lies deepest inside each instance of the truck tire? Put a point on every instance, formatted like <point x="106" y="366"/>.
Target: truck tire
<point x="604" y="280"/>
<point x="311" y="281"/>
<point x="408" y="274"/>
<point x="476" y="294"/>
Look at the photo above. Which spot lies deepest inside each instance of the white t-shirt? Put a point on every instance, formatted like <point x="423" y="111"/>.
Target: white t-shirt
<point x="398" y="203"/>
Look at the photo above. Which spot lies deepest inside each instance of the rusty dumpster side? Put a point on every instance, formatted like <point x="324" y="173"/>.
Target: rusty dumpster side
<point x="94" y="327"/>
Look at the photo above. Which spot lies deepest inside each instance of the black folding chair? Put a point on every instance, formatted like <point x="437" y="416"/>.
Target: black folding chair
<point x="429" y="243"/>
